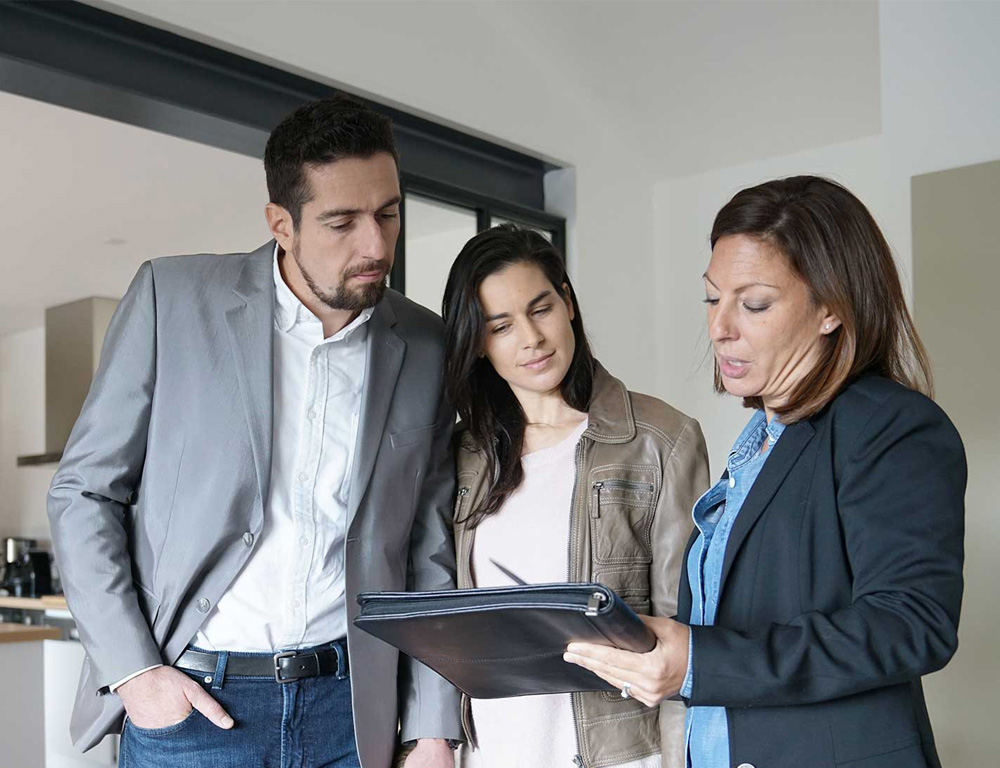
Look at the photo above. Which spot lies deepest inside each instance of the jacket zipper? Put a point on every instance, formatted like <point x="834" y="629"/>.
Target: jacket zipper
<point x="466" y="567"/>
<point x="574" y="575"/>
<point x="466" y="706"/>
<point x="460" y="499"/>
<point x="628" y="485"/>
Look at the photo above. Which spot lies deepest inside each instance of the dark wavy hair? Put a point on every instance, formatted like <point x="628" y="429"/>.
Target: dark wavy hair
<point x="831" y="241"/>
<point x="488" y="408"/>
<point x="318" y="133"/>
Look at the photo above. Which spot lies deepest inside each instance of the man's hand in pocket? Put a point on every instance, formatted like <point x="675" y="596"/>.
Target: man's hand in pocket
<point x="164" y="696"/>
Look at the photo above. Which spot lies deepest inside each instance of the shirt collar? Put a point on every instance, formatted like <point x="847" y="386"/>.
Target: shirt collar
<point x="748" y="444"/>
<point x="289" y="311"/>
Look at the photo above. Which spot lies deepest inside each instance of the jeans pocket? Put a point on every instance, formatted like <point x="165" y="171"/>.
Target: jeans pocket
<point x="165" y="730"/>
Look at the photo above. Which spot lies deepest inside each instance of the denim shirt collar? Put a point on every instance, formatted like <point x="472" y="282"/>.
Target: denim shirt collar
<point x="747" y="445"/>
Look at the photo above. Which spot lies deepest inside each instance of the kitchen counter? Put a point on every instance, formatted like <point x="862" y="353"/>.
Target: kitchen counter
<point x="22" y="633"/>
<point x="45" y="603"/>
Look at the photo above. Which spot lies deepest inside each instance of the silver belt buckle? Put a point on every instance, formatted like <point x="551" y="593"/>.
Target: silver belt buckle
<point x="277" y="665"/>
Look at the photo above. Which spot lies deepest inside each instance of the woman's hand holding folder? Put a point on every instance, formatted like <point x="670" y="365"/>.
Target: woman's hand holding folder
<point x="649" y="677"/>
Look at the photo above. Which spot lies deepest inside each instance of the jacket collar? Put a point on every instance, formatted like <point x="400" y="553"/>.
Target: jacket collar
<point x="256" y="275"/>
<point x="610" y="412"/>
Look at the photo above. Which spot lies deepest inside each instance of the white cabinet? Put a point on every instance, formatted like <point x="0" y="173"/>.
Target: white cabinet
<point x="21" y="705"/>
<point x="62" y="662"/>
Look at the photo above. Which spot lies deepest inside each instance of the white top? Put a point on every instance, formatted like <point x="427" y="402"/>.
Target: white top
<point x="291" y="592"/>
<point x="530" y="537"/>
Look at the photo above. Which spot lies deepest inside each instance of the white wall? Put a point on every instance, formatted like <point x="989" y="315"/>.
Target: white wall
<point x="956" y="271"/>
<point x="940" y="109"/>
<point x="22" y="431"/>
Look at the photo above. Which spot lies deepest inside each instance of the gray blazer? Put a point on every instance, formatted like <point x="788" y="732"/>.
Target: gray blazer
<point x="167" y="469"/>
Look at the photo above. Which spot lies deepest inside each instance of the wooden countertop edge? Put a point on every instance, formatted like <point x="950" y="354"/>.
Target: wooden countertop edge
<point x="24" y="633"/>
<point x="33" y="603"/>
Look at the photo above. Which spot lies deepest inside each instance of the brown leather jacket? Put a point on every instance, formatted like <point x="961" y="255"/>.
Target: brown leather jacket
<point x="640" y="466"/>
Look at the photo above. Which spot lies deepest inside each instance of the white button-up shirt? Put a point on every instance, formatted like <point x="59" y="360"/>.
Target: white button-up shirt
<point x="291" y="592"/>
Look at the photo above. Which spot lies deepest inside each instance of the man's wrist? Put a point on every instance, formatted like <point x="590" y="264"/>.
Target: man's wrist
<point x="116" y="685"/>
<point x="452" y="743"/>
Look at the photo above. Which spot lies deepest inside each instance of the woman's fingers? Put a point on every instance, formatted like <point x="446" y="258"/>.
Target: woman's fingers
<point x="616" y="677"/>
<point x="594" y="664"/>
<point x="613" y="657"/>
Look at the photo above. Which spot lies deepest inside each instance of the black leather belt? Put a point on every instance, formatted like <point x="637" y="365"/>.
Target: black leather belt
<point x="284" y="667"/>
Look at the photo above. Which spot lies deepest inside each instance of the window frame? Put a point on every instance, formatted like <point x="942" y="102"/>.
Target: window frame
<point x="484" y="207"/>
<point x="95" y="61"/>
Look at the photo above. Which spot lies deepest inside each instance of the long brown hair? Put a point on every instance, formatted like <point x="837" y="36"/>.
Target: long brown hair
<point x="832" y="242"/>
<point x="485" y="402"/>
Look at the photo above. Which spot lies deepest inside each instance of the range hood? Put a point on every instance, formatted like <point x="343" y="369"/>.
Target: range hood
<point x="74" y="334"/>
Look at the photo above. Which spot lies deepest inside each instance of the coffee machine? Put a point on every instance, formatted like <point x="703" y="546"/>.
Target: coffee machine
<point x="27" y="569"/>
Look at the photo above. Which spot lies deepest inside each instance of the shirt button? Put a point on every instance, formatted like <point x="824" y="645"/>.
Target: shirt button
<point x="732" y="484"/>
<point x="304" y="541"/>
<point x="311" y="414"/>
<point x="203" y="605"/>
<point x="248" y="539"/>
<point x="296" y="603"/>
<point x="303" y="477"/>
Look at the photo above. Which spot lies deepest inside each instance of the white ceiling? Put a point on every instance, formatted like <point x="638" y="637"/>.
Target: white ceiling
<point x="86" y="200"/>
<point x="683" y="85"/>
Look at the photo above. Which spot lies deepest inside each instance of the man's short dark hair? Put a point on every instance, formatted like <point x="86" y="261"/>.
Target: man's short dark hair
<point x="318" y="133"/>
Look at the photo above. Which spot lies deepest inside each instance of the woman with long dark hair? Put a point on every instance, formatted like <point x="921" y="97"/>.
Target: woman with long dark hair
<point x="563" y="475"/>
<point x="825" y="575"/>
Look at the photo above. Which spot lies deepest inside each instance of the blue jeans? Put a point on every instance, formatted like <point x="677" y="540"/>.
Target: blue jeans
<point x="302" y="724"/>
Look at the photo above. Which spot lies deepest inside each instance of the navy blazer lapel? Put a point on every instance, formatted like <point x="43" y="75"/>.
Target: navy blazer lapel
<point x="385" y="359"/>
<point x="786" y="452"/>
<point x="684" y="599"/>
<point x="250" y="325"/>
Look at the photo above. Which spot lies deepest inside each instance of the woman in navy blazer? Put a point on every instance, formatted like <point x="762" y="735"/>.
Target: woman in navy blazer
<point x="824" y="577"/>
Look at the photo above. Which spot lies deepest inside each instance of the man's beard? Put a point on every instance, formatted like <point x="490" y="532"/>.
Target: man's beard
<point x="356" y="299"/>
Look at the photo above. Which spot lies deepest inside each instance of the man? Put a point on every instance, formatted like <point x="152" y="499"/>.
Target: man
<point x="265" y="438"/>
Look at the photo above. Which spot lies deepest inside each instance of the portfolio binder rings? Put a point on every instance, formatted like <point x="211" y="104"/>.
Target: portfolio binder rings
<point x="493" y="643"/>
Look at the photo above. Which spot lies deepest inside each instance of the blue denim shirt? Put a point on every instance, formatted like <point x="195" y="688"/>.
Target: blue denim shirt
<point x="707" y="728"/>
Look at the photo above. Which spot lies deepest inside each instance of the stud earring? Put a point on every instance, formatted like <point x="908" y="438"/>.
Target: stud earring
<point x="827" y="326"/>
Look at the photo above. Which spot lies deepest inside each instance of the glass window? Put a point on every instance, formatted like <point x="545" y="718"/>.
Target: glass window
<point x="435" y="233"/>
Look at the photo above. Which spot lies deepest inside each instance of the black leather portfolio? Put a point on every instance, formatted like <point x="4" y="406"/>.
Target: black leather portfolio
<point x="491" y="643"/>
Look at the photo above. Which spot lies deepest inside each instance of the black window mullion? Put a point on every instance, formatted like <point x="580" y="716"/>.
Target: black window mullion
<point x="397" y="278"/>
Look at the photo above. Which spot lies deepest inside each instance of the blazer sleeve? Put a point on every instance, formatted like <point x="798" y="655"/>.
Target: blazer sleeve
<point x="685" y="478"/>
<point x="900" y="500"/>
<point x="97" y="479"/>
<point x="429" y="704"/>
